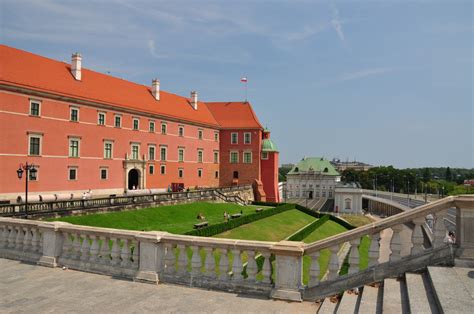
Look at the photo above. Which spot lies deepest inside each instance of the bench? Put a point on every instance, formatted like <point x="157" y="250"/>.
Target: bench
<point x="235" y="216"/>
<point x="258" y="210"/>
<point x="201" y="225"/>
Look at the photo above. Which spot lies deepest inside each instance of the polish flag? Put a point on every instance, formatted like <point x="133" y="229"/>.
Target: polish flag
<point x="243" y="80"/>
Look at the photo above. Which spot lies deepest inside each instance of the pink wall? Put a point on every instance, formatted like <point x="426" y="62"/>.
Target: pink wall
<point x="270" y="177"/>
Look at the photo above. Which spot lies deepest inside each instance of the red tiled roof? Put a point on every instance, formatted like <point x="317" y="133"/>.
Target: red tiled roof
<point x="234" y="115"/>
<point x="32" y="71"/>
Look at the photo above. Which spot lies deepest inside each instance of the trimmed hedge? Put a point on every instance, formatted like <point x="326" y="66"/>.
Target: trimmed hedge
<point x="306" y="231"/>
<point x="234" y="223"/>
<point x="342" y="222"/>
<point x="272" y="204"/>
<point x="308" y="211"/>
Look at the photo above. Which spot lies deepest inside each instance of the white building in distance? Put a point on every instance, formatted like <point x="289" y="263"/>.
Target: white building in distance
<point x="312" y="177"/>
<point x="348" y="198"/>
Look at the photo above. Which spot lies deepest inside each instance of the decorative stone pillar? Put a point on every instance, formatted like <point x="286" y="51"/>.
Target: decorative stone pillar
<point x="151" y="255"/>
<point x="465" y="232"/>
<point x="52" y="240"/>
<point x="289" y="270"/>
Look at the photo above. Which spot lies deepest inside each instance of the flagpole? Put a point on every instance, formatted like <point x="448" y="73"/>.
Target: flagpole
<point x="246" y="91"/>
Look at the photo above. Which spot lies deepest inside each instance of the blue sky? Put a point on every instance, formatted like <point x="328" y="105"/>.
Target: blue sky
<point x="385" y="82"/>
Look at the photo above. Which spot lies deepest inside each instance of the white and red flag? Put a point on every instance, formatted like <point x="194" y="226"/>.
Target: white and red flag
<point x="243" y="79"/>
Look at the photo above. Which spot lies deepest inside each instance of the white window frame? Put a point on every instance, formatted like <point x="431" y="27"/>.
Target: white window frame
<point x="151" y="169"/>
<point x="200" y="134"/>
<point x="101" y="113"/>
<point x="34" y="101"/>
<point x="71" y="109"/>
<point x="236" y="138"/>
<point x="243" y="157"/>
<point x="216" y="156"/>
<point x="69" y="168"/>
<point x="199" y="173"/>
<point x="164" y="124"/>
<point x="180" y="173"/>
<point x="264" y="155"/>
<point x="34" y="135"/>
<point x="106" y="173"/>
<point x="200" y="152"/>
<point x="181" y="130"/>
<point x="230" y="157"/>
<point x="162" y="169"/>
<point x="154" y="151"/>
<point x="181" y="149"/>
<point x="152" y="122"/>
<point x="216" y="136"/>
<point x="115" y="121"/>
<point x="78" y="139"/>
<point x="111" y="149"/>
<point x="138" y="151"/>
<point x="250" y="138"/>
<point x="138" y="124"/>
<point x="166" y="153"/>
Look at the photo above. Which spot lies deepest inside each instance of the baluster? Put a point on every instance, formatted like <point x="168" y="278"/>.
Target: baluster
<point x="76" y="246"/>
<point x="374" y="250"/>
<point x="4" y="236"/>
<point x="104" y="251"/>
<point x="115" y="253"/>
<point x="251" y="265"/>
<point x="267" y="268"/>
<point x="27" y="239"/>
<point x="35" y="245"/>
<point x="170" y="259"/>
<point x="210" y="262"/>
<point x="195" y="261"/>
<point x="314" y="269"/>
<point x="354" y="257"/>
<point x="237" y="267"/>
<point x="19" y="238"/>
<point x="396" y="243"/>
<point x="182" y="259"/>
<point x="135" y="254"/>
<point x="333" y="266"/>
<point x="439" y="229"/>
<point x="40" y="241"/>
<point x="85" y="249"/>
<point x="94" y="249"/>
<point x="417" y="236"/>
<point x="125" y="254"/>
<point x="224" y="265"/>
<point x="67" y="245"/>
<point x="11" y="237"/>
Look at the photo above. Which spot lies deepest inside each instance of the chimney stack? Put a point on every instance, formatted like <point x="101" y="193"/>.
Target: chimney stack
<point x="194" y="100"/>
<point x="155" y="88"/>
<point x="76" y="66"/>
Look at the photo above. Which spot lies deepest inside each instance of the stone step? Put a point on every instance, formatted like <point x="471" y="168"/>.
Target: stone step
<point x="348" y="303"/>
<point x="420" y="294"/>
<point x="369" y="302"/>
<point x="392" y="298"/>
<point x="452" y="296"/>
<point x="327" y="307"/>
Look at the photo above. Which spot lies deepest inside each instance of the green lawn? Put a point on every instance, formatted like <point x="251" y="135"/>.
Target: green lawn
<point x="174" y="218"/>
<point x="273" y="228"/>
<point x="357" y="220"/>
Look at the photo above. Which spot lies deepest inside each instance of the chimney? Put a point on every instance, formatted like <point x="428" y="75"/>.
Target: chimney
<point x="76" y="66"/>
<point x="194" y="100"/>
<point x="155" y="88"/>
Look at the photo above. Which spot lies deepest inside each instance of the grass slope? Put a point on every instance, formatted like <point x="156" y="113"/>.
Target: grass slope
<point x="174" y="218"/>
<point x="274" y="228"/>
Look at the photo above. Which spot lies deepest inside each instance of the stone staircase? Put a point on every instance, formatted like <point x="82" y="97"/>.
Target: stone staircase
<point x="435" y="290"/>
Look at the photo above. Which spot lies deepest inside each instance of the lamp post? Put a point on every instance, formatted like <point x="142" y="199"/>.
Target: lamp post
<point x="30" y="172"/>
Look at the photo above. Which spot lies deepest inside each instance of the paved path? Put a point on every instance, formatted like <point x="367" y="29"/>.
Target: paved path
<point x="29" y="288"/>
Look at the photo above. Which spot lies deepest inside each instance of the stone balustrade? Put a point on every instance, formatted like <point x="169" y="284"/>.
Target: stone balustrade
<point x="265" y="268"/>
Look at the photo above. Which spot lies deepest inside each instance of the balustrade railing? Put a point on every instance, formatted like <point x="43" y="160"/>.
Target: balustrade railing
<point x="267" y="268"/>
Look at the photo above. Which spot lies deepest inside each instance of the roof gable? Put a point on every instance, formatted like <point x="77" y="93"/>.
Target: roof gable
<point x="314" y="164"/>
<point x="234" y="115"/>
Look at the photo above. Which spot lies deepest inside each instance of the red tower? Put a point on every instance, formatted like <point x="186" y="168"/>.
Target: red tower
<point x="270" y="168"/>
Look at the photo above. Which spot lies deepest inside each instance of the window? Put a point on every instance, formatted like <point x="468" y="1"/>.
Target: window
<point x="216" y="136"/>
<point x="216" y="157"/>
<point x="181" y="155"/>
<point x="151" y="128"/>
<point x="163" y="153"/>
<point x="34" y="108"/>
<point x="152" y="169"/>
<point x="200" y="155"/>
<point x="136" y="124"/>
<point x="199" y="173"/>
<point x="118" y="121"/>
<point x="163" y="169"/>
<point x="181" y="131"/>
<point x="247" y="157"/>
<point x="234" y="138"/>
<point x="163" y="128"/>
<point x="108" y="150"/>
<point x="216" y="174"/>
<point x="347" y="202"/>
<point x="151" y="152"/>
<point x="35" y="145"/>
<point x="135" y="151"/>
<point x="74" y="114"/>
<point x="104" y="173"/>
<point x="72" y="173"/>
<point x="73" y="147"/>
<point x="234" y="157"/>
<point x="180" y="172"/>
<point x="200" y="134"/>
<point x="236" y="175"/>
<point x="247" y="138"/>
<point x="101" y="118"/>
<point x="265" y="156"/>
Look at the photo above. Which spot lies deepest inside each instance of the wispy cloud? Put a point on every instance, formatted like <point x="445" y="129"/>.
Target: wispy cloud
<point x="336" y="23"/>
<point x="152" y="49"/>
<point x="366" y="73"/>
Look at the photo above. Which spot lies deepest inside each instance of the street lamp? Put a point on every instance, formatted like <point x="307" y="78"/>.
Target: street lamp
<point x="30" y="172"/>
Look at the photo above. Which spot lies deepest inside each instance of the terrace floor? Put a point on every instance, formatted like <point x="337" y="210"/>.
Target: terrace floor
<point x="34" y="289"/>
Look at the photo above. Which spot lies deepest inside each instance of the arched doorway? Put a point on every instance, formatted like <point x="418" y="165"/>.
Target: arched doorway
<point x="133" y="179"/>
<point x="310" y="195"/>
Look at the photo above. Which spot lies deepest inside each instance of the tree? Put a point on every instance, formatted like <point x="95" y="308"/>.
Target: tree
<point x="426" y="175"/>
<point x="448" y="175"/>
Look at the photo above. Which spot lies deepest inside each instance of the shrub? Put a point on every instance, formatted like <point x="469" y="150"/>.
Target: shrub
<point x="308" y="211"/>
<point x="306" y="231"/>
<point x="342" y="222"/>
<point x="231" y="224"/>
